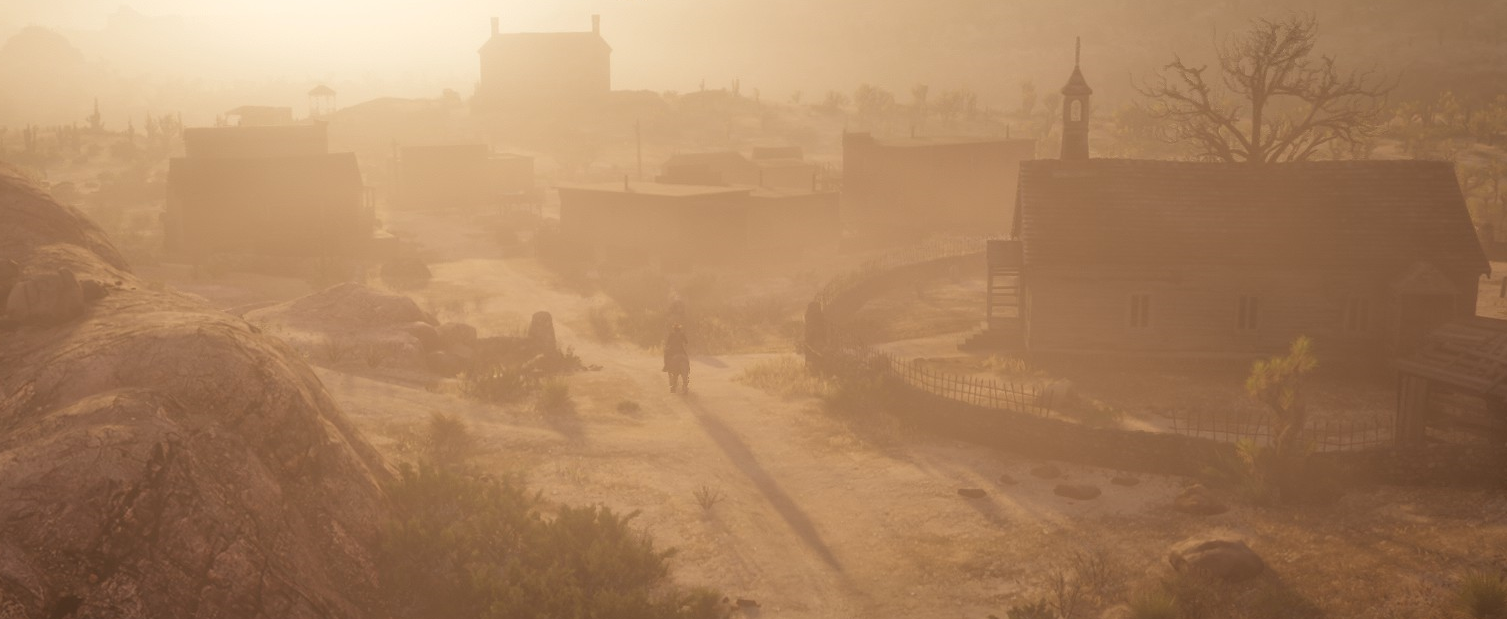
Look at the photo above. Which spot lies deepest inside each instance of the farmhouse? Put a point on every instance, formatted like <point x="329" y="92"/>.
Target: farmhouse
<point x="270" y="190"/>
<point x="543" y="68"/>
<point x="461" y="176"/>
<point x="678" y="226"/>
<point x="915" y="186"/>
<point x="1186" y="257"/>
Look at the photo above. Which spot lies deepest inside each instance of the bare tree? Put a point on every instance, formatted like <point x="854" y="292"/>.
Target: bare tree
<point x="1278" y="102"/>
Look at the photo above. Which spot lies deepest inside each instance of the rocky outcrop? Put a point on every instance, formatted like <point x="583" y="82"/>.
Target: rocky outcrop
<point x="1225" y="558"/>
<point x="161" y="459"/>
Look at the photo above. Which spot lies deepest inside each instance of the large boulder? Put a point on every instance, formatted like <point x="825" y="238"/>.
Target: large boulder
<point x="541" y="331"/>
<point x="1225" y="558"/>
<point x="346" y="306"/>
<point x="162" y="459"/>
<point x="46" y="298"/>
<point x="1198" y="501"/>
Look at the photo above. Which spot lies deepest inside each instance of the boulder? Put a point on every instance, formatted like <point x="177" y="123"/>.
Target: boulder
<point x="1225" y="558"/>
<point x="1047" y="471"/>
<point x="10" y="272"/>
<point x="457" y="334"/>
<point x="1197" y="500"/>
<point x="344" y="307"/>
<point x="1081" y="492"/>
<point x="972" y="493"/>
<point x="541" y="331"/>
<point x="1007" y="480"/>
<point x="428" y="337"/>
<point x="47" y="298"/>
<point x="164" y="460"/>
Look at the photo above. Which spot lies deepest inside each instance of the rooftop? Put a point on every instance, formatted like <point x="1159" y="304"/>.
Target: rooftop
<point x="1383" y="214"/>
<point x="667" y="190"/>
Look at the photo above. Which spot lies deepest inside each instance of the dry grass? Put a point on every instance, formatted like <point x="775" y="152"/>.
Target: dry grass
<point x="785" y="376"/>
<point x="708" y="497"/>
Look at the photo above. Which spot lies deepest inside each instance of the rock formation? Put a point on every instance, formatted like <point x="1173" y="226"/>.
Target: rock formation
<point x="159" y="459"/>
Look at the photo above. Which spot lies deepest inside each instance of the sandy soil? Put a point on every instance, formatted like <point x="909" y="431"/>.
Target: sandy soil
<point x="821" y="519"/>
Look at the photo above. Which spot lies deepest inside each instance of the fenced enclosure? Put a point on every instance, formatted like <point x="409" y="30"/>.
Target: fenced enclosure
<point x="844" y="353"/>
<point x="1321" y="435"/>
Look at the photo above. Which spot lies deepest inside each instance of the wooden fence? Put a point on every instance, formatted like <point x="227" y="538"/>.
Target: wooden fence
<point x="1322" y="435"/>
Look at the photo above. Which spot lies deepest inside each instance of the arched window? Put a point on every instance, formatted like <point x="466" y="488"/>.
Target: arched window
<point x="1075" y="110"/>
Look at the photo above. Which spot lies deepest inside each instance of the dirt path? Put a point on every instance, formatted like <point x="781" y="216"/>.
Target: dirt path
<point x="817" y="520"/>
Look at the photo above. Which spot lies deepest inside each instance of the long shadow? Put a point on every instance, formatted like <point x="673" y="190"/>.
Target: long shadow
<point x="744" y="458"/>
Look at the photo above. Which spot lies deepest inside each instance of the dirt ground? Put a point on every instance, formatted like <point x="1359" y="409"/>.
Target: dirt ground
<point x="821" y="519"/>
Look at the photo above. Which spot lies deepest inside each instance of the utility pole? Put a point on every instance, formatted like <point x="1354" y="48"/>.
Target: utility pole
<point x="638" y="138"/>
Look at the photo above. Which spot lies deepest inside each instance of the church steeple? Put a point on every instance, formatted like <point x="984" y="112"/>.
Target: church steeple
<point x="1075" y="96"/>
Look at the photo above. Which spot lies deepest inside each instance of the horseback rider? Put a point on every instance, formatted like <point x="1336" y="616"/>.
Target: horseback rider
<point x="677" y="359"/>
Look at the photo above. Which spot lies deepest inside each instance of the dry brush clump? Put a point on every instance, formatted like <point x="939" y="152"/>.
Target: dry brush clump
<point x="708" y="497"/>
<point x="464" y="546"/>
<point x="786" y="376"/>
<point x="1482" y="595"/>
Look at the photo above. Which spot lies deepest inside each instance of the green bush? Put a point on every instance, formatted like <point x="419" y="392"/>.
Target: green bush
<point x="464" y="547"/>
<point x="1483" y="596"/>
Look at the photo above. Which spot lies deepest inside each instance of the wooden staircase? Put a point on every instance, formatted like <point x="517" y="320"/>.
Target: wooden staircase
<point x="1003" y="314"/>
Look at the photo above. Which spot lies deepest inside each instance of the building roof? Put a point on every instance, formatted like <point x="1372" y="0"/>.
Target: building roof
<point x="1076" y="85"/>
<point x="1470" y="354"/>
<point x="551" y="41"/>
<point x="207" y="179"/>
<point x="667" y="190"/>
<point x="943" y="141"/>
<point x="322" y="91"/>
<point x="716" y="159"/>
<point x="1387" y="215"/>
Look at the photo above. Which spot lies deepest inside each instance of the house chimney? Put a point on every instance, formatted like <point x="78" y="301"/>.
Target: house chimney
<point x="596" y="24"/>
<point x="495" y="25"/>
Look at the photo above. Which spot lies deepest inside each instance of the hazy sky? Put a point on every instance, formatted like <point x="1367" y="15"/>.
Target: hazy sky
<point x="415" y="48"/>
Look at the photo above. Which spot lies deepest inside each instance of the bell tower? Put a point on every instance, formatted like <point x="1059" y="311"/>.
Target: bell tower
<point x="1075" y="96"/>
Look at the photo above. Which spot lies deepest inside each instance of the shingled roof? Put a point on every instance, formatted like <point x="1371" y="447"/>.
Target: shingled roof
<point x="1350" y="214"/>
<point x="1470" y="354"/>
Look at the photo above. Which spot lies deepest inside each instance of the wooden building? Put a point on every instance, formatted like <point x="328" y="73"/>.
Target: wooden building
<point x="532" y="69"/>
<point x="678" y="226"/>
<point x="1454" y="388"/>
<point x="461" y="176"/>
<point x="264" y="190"/>
<point x="1220" y="258"/>
<point x="912" y="187"/>
<point x="773" y="168"/>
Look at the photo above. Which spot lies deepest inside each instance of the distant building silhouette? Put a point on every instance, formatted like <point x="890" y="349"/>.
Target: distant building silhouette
<point x="542" y="68"/>
<point x="272" y="190"/>
<point x="321" y="102"/>
<point x="677" y="226"/>
<point x="461" y="176"/>
<point x="911" y="187"/>
<point x="770" y="167"/>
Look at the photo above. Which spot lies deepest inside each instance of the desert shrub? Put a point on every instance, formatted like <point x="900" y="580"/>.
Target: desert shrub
<point x="1039" y="609"/>
<point x="375" y="354"/>
<point x="785" y="375"/>
<point x="554" y="398"/>
<point x="1482" y="595"/>
<point x="499" y="384"/>
<point x="856" y="396"/>
<point x="1248" y="472"/>
<point x="1154" y="605"/>
<point x="708" y="497"/>
<point x="336" y="348"/>
<point x="447" y="441"/>
<point x="459" y="546"/>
